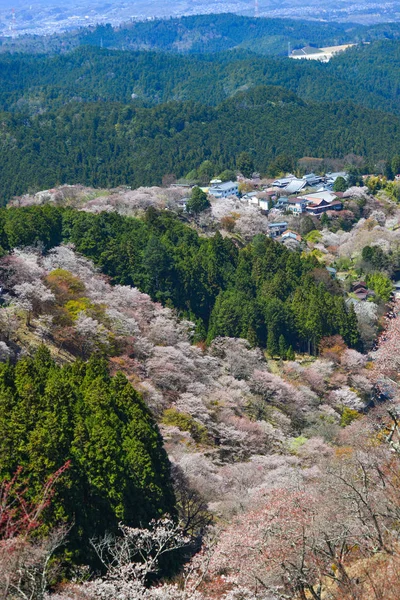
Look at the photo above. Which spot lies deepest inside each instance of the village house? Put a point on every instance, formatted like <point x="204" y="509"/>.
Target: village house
<point x="323" y="206"/>
<point x="361" y="291"/>
<point x="223" y="190"/>
<point x="326" y="195"/>
<point x="312" y="180"/>
<point x="295" y="186"/>
<point x="330" y="178"/>
<point x="297" y="205"/>
<point x="332" y="272"/>
<point x="276" y="229"/>
<point x="283" y="181"/>
<point x="292" y="235"/>
<point x="250" y="197"/>
<point x="282" y="203"/>
<point x="182" y="203"/>
<point x="263" y="203"/>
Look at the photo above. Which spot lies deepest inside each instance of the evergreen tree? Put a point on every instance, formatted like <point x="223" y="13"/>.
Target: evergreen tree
<point x="198" y="201"/>
<point x="325" y="220"/>
<point x="227" y="175"/>
<point x="282" y="347"/>
<point x="245" y="164"/>
<point x="354" y="177"/>
<point x="396" y="165"/>
<point x="340" y="185"/>
<point x="388" y="171"/>
<point x="157" y="263"/>
<point x="272" y="343"/>
<point x="290" y="355"/>
<point x="352" y="336"/>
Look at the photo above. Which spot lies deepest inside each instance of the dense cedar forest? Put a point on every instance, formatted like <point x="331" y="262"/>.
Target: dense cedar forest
<point x="263" y="292"/>
<point x="104" y="118"/>
<point x="366" y="74"/>
<point x="105" y="145"/>
<point x="79" y="414"/>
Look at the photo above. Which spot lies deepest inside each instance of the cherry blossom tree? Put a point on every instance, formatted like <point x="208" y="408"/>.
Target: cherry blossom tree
<point x="91" y="334"/>
<point x="352" y="360"/>
<point x="33" y="297"/>
<point x="5" y="352"/>
<point x="25" y="561"/>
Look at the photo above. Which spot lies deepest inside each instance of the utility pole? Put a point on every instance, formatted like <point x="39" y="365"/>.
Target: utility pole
<point x="12" y="25"/>
<point x="256" y="11"/>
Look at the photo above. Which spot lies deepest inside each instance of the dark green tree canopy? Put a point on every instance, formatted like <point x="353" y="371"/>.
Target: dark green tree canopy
<point x="198" y="201"/>
<point x="245" y="164"/>
<point x="340" y="185"/>
<point x="119" y="469"/>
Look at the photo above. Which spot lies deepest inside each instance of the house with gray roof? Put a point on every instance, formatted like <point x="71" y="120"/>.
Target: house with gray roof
<point x="312" y="179"/>
<point x="295" y="186"/>
<point x="283" y="181"/>
<point x="297" y="205"/>
<point x="331" y="177"/>
<point x="223" y="190"/>
<point x="276" y="229"/>
<point x="282" y="203"/>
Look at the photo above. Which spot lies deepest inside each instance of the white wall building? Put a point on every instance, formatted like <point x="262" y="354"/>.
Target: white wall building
<point x="223" y="190"/>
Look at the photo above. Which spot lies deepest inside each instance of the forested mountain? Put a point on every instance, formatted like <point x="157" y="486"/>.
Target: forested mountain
<point x="176" y="381"/>
<point x="367" y="75"/>
<point x="104" y="117"/>
<point x="105" y="144"/>
<point x="263" y="292"/>
<point x="208" y="33"/>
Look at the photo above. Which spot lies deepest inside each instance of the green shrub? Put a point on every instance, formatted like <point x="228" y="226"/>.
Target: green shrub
<point x="185" y="422"/>
<point x="348" y="416"/>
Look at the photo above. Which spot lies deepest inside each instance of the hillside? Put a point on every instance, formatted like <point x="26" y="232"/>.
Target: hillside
<point x="199" y="394"/>
<point x="367" y="75"/>
<point x="254" y="441"/>
<point x="112" y="144"/>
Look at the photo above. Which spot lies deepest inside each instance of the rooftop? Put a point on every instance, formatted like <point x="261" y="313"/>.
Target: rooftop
<point x="224" y="186"/>
<point x="296" y="185"/>
<point x="324" y="195"/>
<point x="336" y="175"/>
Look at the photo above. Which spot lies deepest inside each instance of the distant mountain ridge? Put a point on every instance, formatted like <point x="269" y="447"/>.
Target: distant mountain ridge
<point x="207" y="34"/>
<point x="368" y="75"/>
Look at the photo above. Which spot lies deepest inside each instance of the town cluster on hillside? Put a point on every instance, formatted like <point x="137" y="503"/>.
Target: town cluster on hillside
<point x="312" y="194"/>
<point x="302" y="214"/>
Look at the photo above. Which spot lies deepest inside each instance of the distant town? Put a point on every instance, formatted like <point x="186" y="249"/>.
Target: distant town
<point x="46" y="18"/>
